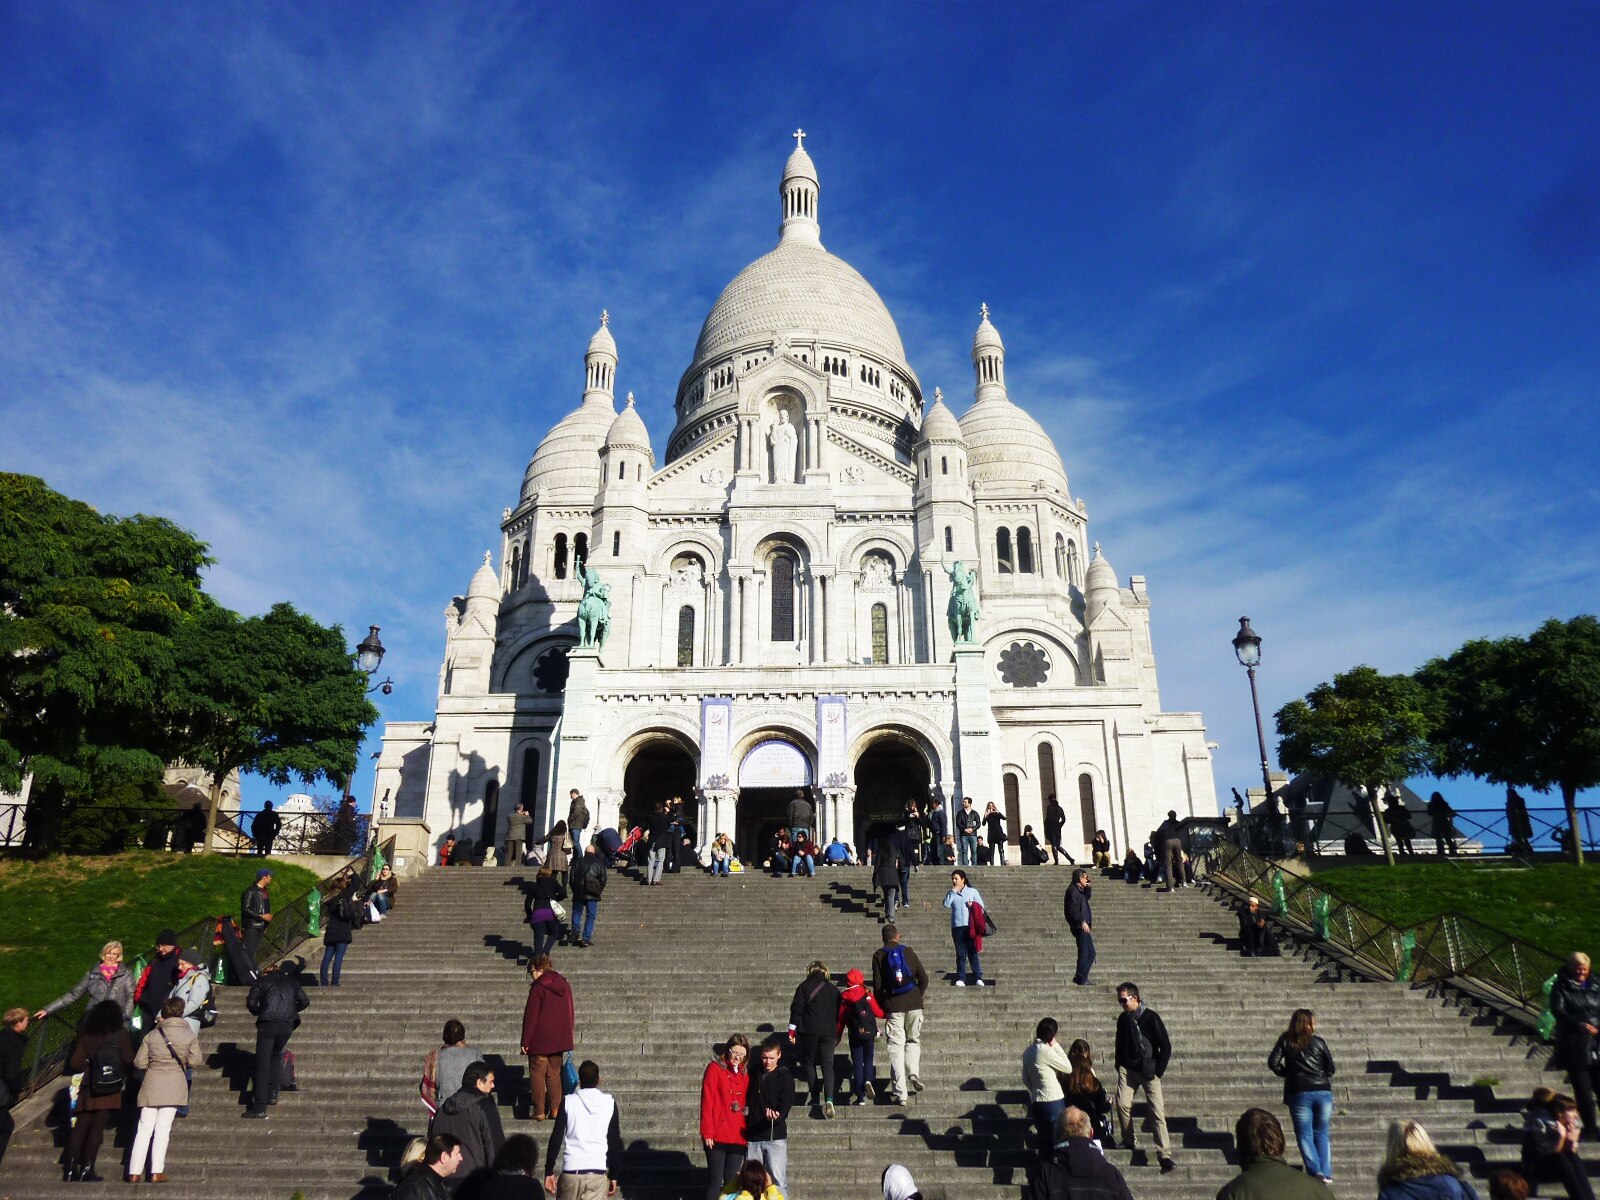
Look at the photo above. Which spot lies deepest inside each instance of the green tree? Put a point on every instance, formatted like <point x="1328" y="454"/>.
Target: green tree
<point x="88" y="607"/>
<point x="277" y="695"/>
<point x="1365" y="729"/>
<point x="1522" y="711"/>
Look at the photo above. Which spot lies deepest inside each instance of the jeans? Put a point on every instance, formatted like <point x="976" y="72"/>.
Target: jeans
<point x="905" y="884"/>
<point x="890" y="895"/>
<point x="658" y="860"/>
<point x="155" y="1128"/>
<point x="816" y="1051"/>
<point x="965" y="953"/>
<point x="905" y="1050"/>
<point x="1312" y="1111"/>
<point x="380" y="901"/>
<point x="775" y="1155"/>
<point x="331" y="954"/>
<point x="861" y="1064"/>
<point x="588" y="909"/>
<point x="719" y="866"/>
<point x="545" y="936"/>
<point x="1085" y="941"/>
<point x="806" y="861"/>
<point x="968" y="843"/>
<point x="1044" y="1114"/>
<point x="1126" y="1087"/>
<point x="252" y="941"/>
<point x="271" y="1039"/>
<point x="723" y="1159"/>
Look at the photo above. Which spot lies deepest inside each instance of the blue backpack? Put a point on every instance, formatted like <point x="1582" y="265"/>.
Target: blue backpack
<point x="901" y="979"/>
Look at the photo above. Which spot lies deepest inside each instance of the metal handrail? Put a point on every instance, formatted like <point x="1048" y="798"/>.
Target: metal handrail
<point x="119" y="827"/>
<point x="1476" y="832"/>
<point x="50" y="1040"/>
<point x="1494" y="965"/>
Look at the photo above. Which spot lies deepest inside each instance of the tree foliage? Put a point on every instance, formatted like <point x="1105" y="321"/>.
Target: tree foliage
<point x="90" y="605"/>
<point x="1522" y="711"/>
<point x="1365" y="729"/>
<point x="276" y="695"/>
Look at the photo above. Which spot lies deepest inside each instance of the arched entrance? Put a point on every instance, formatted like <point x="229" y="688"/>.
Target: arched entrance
<point x="890" y="772"/>
<point x="769" y="775"/>
<point x="659" y="770"/>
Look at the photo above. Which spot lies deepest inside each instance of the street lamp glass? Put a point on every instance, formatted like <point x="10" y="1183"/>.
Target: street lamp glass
<point x="370" y="652"/>
<point x="1247" y="644"/>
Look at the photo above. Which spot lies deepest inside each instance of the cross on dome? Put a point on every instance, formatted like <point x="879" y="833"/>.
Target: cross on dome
<point x="983" y="311"/>
<point x="605" y="317"/>
<point x="487" y="556"/>
<point x="938" y="396"/>
<point x="799" y="136"/>
<point x="630" y="399"/>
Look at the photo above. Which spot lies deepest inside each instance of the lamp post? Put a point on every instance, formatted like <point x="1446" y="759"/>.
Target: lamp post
<point x="369" y="657"/>
<point x="1247" y="647"/>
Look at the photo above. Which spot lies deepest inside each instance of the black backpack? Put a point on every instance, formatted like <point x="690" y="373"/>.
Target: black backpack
<point x="105" y="1075"/>
<point x="863" y="1023"/>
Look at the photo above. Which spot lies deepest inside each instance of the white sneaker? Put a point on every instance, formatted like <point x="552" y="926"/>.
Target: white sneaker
<point x="978" y="984"/>
<point x="961" y="983"/>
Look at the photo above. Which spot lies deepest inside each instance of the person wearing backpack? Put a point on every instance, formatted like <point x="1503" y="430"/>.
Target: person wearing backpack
<point x="169" y="1052"/>
<point x="898" y="982"/>
<point x="104" y="1053"/>
<point x="812" y="1012"/>
<point x="339" y="921"/>
<point x="276" y="998"/>
<point x="771" y="1096"/>
<point x="588" y="882"/>
<point x="859" y="1013"/>
<point x="1143" y="1051"/>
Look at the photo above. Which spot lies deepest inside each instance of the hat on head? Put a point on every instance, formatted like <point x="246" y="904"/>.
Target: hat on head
<point x="854" y="976"/>
<point x="167" y="937"/>
<point x="264" y="873"/>
<point x="192" y="954"/>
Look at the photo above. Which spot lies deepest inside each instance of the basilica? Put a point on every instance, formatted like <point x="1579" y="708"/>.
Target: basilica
<point x="775" y="599"/>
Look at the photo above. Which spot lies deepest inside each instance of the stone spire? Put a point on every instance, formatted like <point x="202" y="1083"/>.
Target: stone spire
<point x="988" y="359"/>
<point x="600" y="362"/>
<point x="800" y="190"/>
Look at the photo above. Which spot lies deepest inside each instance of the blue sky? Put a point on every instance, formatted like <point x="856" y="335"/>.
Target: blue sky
<point x="1307" y="295"/>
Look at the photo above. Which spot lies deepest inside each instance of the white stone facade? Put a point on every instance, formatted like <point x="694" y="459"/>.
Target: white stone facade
<point x="796" y="544"/>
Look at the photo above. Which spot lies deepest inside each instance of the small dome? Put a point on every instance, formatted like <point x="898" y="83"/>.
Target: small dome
<point x="569" y="457"/>
<point x="800" y="166"/>
<point x="1101" y="577"/>
<point x="485" y="583"/>
<point x="602" y="342"/>
<point x="939" y="423"/>
<point x="1007" y="446"/>
<point x="987" y="337"/>
<point x="627" y="432"/>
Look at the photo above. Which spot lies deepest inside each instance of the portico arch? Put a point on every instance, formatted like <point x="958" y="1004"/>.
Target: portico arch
<point x="660" y="765"/>
<point x="892" y="767"/>
<point x="773" y="768"/>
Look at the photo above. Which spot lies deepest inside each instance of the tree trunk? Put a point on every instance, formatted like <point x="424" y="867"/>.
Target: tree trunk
<point x="211" y="810"/>
<point x="46" y="811"/>
<point x="1569" y="797"/>
<point x="1375" y="798"/>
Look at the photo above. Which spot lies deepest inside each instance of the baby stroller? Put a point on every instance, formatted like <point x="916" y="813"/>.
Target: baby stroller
<point x="627" y="849"/>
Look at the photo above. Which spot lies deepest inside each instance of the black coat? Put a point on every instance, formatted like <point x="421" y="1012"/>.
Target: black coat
<point x="545" y="889"/>
<point x="774" y="1090"/>
<point x="1306" y="1069"/>
<point x="1075" y="907"/>
<point x="471" y="1116"/>
<point x="886" y="866"/>
<point x="422" y="1183"/>
<point x="1076" y="1170"/>
<point x="1575" y="1006"/>
<point x="1095" y="1104"/>
<point x="340" y="929"/>
<point x="276" y="996"/>
<point x="996" y="825"/>
<point x="1054" y="818"/>
<point x="12" y="1075"/>
<point x="815" y="1007"/>
<point x="589" y="877"/>
<point x="1155" y="1032"/>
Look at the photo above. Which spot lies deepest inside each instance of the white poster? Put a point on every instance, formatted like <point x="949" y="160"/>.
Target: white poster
<point x="833" y="765"/>
<point x="774" y="764"/>
<point x="716" y="740"/>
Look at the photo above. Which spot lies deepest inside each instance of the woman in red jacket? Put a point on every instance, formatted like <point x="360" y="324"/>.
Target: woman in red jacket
<point x="546" y="1034"/>
<point x="724" y="1094"/>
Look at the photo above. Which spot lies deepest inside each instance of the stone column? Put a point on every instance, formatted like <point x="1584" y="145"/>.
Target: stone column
<point x="977" y="744"/>
<point x="574" y="744"/>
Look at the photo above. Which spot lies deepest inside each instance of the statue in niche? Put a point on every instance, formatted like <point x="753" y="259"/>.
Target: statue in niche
<point x="963" y="612"/>
<point x="876" y="573"/>
<point x="785" y="444"/>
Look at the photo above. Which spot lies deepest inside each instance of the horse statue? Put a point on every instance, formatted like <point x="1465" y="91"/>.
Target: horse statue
<point x="963" y="612"/>
<point x="594" y="610"/>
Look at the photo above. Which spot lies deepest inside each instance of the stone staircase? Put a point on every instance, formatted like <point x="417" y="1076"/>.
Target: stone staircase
<point x="676" y="969"/>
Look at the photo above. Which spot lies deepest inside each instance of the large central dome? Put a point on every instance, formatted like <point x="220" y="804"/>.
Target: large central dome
<point x="799" y="291"/>
<point x="800" y="288"/>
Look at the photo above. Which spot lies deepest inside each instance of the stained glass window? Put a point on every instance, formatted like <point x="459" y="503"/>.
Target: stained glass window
<point x="880" y="633"/>
<point x="783" y="599"/>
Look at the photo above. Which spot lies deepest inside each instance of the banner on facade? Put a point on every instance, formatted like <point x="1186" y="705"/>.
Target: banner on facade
<point x="775" y="764"/>
<point x="833" y="749"/>
<point x="716" y="740"/>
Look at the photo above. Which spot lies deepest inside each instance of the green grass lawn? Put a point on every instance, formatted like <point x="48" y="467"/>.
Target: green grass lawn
<point x="1555" y="906"/>
<point x="55" y="914"/>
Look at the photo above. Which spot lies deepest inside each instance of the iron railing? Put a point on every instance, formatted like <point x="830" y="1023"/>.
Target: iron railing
<point x="1492" y="965"/>
<point x="114" y="828"/>
<point x="1472" y="833"/>
<point x="50" y="1040"/>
